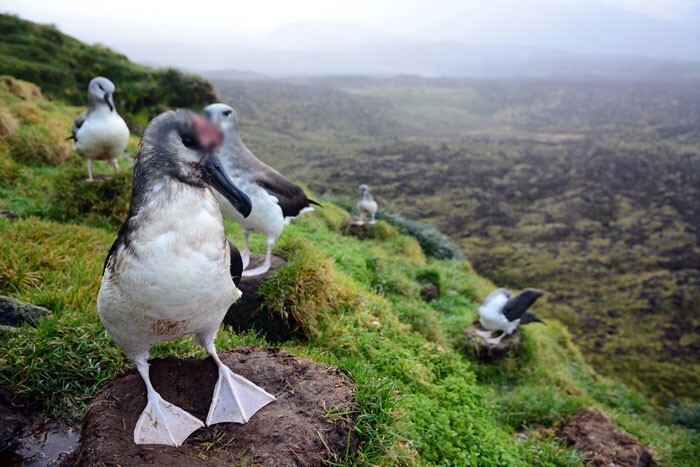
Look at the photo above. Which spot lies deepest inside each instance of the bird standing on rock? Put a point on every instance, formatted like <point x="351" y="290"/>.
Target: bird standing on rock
<point x="100" y="133"/>
<point x="169" y="273"/>
<point x="275" y="198"/>
<point x="503" y="312"/>
<point x="366" y="205"/>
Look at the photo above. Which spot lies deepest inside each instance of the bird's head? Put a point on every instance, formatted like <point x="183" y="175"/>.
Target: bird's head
<point x="183" y="145"/>
<point x="364" y="189"/>
<point x="102" y="90"/>
<point x="223" y="116"/>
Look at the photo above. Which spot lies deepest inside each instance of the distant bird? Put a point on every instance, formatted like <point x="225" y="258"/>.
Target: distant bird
<point x="275" y="198"/>
<point x="503" y="312"/>
<point x="366" y="205"/>
<point x="169" y="273"/>
<point x="100" y="133"/>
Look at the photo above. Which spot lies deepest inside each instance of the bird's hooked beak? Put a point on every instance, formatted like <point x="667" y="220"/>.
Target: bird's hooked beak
<point x="109" y="101"/>
<point x="213" y="172"/>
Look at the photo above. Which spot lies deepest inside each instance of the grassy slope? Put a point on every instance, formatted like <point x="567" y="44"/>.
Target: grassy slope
<point x="423" y="400"/>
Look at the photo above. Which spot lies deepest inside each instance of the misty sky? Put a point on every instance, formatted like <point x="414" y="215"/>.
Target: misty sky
<point x="207" y="21"/>
<point x="425" y="37"/>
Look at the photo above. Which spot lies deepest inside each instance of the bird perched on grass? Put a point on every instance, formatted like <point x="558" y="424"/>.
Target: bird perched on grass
<point x="366" y="205"/>
<point x="100" y="133"/>
<point x="169" y="273"/>
<point x="275" y="198"/>
<point x="503" y="312"/>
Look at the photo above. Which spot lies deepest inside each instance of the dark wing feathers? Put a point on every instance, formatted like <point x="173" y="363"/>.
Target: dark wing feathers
<point x="516" y="306"/>
<point x="236" y="264"/>
<point x="529" y="317"/>
<point x="77" y="123"/>
<point x="292" y="198"/>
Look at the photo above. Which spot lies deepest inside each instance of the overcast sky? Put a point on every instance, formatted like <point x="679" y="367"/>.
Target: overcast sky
<point x="113" y="22"/>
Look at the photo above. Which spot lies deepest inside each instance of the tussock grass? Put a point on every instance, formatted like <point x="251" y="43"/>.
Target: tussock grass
<point x="105" y="203"/>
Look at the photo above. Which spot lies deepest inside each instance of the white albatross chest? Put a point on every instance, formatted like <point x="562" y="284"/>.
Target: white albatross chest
<point x="103" y="136"/>
<point x="491" y="314"/>
<point x="266" y="216"/>
<point x="174" y="277"/>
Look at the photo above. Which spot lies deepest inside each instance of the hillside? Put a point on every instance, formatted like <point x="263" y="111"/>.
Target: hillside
<point x="586" y="188"/>
<point x="63" y="66"/>
<point x="424" y="399"/>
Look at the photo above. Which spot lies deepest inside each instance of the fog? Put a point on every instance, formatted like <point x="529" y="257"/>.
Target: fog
<point x="436" y="37"/>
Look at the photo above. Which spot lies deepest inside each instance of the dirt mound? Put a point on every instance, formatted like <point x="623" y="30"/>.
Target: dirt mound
<point x="249" y="313"/>
<point x="476" y="344"/>
<point x="603" y="443"/>
<point x="297" y="429"/>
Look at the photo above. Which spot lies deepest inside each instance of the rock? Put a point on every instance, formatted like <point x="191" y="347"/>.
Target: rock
<point x="489" y="352"/>
<point x="429" y="292"/>
<point x="11" y="421"/>
<point x="293" y="430"/>
<point x="249" y="313"/>
<point x="604" y="444"/>
<point x="14" y="313"/>
<point x="12" y="216"/>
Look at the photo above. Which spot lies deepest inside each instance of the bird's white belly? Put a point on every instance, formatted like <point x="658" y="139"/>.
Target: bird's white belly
<point x="491" y="314"/>
<point x="266" y="216"/>
<point x="102" y="136"/>
<point x="367" y="206"/>
<point x="174" y="279"/>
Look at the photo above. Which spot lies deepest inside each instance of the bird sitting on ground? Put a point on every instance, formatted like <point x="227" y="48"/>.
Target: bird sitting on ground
<point x="275" y="198"/>
<point x="169" y="273"/>
<point x="366" y="205"/>
<point x="100" y="133"/>
<point x="503" y="312"/>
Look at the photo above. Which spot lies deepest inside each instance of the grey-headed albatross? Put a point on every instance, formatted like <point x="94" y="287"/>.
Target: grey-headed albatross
<point x="169" y="273"/>
<point x="100" y="133"/>
<point x="275" y="198"/>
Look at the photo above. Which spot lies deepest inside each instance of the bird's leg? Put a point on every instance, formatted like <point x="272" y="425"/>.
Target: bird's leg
<point x="361" y="221"/>
<point x="161" y="422"/>
<point x="245" y="256"/>
<point x="235" y="398"/>
<point x="373" y="219"/>
<point x="265" y="266"/>
<point x="496" y="340"/>
<point x="88" y="163"/>
<point x="115" y="163"/>
<point x="484" y="334"/>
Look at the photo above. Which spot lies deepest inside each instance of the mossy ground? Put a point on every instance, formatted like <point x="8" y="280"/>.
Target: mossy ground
<point x="358" y="304"/>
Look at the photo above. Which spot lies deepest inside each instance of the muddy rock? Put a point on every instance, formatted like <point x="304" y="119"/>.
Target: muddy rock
<point x="489" y="352"/>
<point x="429" y="292"/>
<point x="249" y="313"/>
<point x="14" y="312"/>
<point x="296" y="429"/>
<point x="604" y="444"/>
<point x="11" y="421"/>
<point x="379" y="230"/>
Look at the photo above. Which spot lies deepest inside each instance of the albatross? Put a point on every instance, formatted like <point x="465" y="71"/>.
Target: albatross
<point x="275" y="198"/>
<point x="501" y="311"/>
<point x="366" y="205"/>
<point x="100" y="133"/>
<point x="169" y="272"/>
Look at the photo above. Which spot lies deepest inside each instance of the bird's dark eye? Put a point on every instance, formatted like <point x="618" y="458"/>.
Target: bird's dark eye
<point x="188" y="141"/>
<point x="100" y="86"/>
<point x="227" y="113"/>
